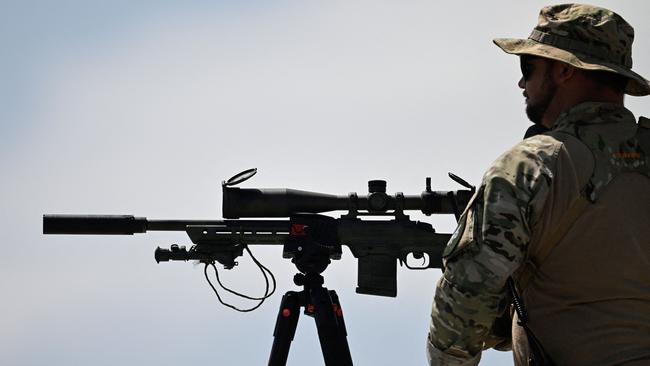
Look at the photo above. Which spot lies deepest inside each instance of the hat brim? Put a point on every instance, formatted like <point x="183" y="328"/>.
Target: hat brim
<point x="637" y="86"/>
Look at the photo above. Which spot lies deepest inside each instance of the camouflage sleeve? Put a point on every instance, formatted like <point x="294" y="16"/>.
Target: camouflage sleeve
<point x="486" y="248"/>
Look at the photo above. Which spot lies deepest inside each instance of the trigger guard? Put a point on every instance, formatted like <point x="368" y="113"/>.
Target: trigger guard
<point x="425" y="265"/>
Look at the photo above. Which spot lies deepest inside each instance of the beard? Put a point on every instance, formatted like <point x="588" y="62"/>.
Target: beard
<point x="536" y="110"/>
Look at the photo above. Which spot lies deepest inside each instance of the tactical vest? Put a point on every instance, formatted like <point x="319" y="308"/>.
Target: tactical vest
<point x="586" y="283"/>
<point x="612" y="156"/>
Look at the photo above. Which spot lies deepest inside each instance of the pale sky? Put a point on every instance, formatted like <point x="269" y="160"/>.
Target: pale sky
<point x="123" y="108"/>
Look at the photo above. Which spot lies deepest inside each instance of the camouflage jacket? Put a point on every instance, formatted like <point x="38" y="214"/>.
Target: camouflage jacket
<point x="495" y="232"/>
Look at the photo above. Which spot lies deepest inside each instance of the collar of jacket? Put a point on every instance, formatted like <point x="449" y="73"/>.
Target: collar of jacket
<point x="590" y="113"/>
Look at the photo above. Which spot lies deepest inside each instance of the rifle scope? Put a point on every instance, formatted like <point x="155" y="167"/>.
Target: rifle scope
<point x="283" y="202"/>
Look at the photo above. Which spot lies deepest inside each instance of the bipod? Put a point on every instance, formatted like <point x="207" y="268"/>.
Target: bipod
<point x="321" y="304"/>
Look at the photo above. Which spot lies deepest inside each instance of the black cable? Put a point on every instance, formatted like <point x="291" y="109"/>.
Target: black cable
<point x="205" y="272"/>
<point x="516" y="301"/>
<point x="264" y="271"/>
<point x="537" y="355"/>
<point x="263" y="268"/>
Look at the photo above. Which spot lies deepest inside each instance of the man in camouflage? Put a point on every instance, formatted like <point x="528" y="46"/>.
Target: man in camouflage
<point x="565" y="213"/>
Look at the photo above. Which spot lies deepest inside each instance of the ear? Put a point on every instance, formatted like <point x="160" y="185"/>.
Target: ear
<point x="563" y="72"/>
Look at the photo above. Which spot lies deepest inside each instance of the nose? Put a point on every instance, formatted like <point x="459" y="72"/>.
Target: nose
<point x="522" y="83"/>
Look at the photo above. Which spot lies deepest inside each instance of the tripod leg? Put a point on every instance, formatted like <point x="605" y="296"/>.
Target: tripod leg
<point x="338" y="311"/>
<point x="331" y="329"/>
<point x="285" y="328"/>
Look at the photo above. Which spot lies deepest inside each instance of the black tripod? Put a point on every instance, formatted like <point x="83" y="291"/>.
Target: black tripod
<point x="321" y="304"/>
<point x="311" y="258"/>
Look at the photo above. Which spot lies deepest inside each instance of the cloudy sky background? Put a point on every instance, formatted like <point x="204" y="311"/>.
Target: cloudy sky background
<point x="144" y="107"/>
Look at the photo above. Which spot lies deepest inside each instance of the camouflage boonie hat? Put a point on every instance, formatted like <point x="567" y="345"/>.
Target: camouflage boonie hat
<point x="584" y="36"/>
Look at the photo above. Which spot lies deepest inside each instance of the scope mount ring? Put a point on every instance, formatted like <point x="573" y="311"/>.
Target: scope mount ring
<point x="239" y="177"/>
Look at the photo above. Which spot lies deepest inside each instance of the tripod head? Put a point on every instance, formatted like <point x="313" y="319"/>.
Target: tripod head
<point x="312" y="242"/>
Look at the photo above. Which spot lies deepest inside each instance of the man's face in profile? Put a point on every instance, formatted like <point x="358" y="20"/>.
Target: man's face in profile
<point x="538" y="85"/>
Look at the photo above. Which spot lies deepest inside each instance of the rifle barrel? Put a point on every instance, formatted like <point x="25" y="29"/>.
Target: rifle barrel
<point x="94" y="224"/>
<point x="129" y="225"/>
